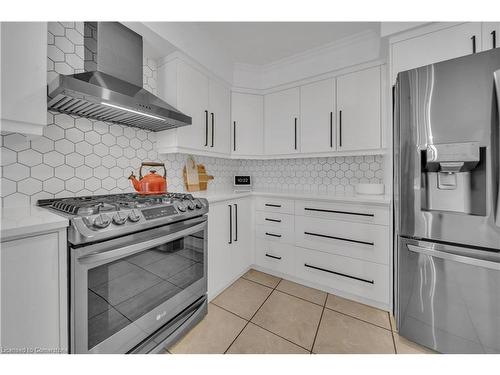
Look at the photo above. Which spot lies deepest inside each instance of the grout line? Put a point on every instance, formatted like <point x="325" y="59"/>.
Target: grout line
<point x="319" y="324"/>
<point x="229" y="311"/>
<point x="256" y="311"/>
<point x="256" y="282"/>
<point x="284" y="338"/>
<point x="392" y="333"/>
<point x="361" y="320"/>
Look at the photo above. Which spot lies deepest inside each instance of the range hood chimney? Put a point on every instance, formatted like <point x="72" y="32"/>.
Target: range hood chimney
<point x="111" y="89"/>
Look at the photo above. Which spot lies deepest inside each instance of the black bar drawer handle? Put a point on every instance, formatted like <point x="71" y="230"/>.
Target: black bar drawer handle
<point x="234" y="135"/>
<point x="473" y="38"/>
<point x="273" y="256"/>
<point x="295" y="131"/>
<point x="272" y="205"/>
<point x="331" y="129"/>
<point x="340" y="274"/>
<point x="338" y="212"/>
<point x="273" y="220"/>
<point x="206" y="128"/>
<point x="235" y="222"/>
<point x="213" y="121"/>
<point x="273" y="235"/>
<point x="339" y="238"/>
<point x="230" y="224"/>
<point x="494" y="38"/>
<point x="340" y="128"/>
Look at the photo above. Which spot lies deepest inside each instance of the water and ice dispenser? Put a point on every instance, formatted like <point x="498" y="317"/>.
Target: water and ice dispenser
<point x="454" y="178"/>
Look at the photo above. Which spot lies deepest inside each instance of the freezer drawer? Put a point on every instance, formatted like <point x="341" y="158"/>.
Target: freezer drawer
<point x="448" y="297"/>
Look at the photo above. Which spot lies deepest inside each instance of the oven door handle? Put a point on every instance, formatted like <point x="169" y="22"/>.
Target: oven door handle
<point x="123" y="251"/>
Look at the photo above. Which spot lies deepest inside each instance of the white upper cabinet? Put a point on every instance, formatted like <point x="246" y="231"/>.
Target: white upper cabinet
<point x="247" y="112"/>
<point x="281" y="119"/>
<point x="431" y="47"/>
<point x="219" y="100"/>
<point x="205" y="100"/>
<point x="317" y="113"/>
<point x="490" y="35"/>
<point x="24" y="77"/>
<point x="358" y="110"/>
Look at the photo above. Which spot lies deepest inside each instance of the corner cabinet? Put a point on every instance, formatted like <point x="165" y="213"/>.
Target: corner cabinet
<point x="247" y="124"/>
<point x="203" y="98"/>
<point x="281" y="122"/>
<point x="34" y="292"/>
<point x="230" y="242"/>
<point x="23" y="94"/>
<point x="358" y="110"/>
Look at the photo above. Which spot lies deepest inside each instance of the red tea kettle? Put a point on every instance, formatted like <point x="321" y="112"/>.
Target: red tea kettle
<point x="151" y="183"/>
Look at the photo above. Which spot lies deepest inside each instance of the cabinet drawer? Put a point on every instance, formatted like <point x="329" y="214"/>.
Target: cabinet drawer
<point x="348" y="212"/>
<point x="275" y="220"/>
<point x="365" y="279"/>
<point x="283" y="235"/>
<point x="270" y="204"/>
<point x="274" y="255"/>
<point x="357" y="240"/>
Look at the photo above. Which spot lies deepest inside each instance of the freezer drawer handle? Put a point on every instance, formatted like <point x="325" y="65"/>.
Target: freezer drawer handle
<point x="339" y="238"/>
<point x="340" y="274"/>
<point x="455" y="257"/>
<point x="338" y="212"/>
<point x="273" y="235"/>
<point x="272" y="205"/>
<point x="273" y="256"/>
<point x="273" y="220"/>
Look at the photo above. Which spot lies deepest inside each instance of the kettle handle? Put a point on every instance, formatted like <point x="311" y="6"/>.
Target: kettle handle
<point x="152" y="164"/>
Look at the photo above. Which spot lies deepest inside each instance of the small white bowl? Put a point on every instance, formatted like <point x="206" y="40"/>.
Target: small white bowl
<point x="370" y="189"/>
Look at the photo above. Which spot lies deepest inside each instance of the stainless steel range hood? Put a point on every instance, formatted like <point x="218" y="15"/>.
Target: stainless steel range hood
<point x="111" y="89"/>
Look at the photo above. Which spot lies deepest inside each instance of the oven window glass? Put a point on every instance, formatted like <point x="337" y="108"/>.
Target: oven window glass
<point x="122" y="291"/>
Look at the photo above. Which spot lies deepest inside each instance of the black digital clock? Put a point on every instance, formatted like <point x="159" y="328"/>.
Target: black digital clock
<point x="242" y="181"/>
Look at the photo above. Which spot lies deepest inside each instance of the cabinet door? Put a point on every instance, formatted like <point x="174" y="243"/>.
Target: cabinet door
<point x="219" y="131"/>
<point x="242" y="247"/>
<point x="281" y="122"/>
<point x="33" y="290"/>
<point x="23" y="96"/>
<point x="247" y="124"/>
<point x="358" y="110"/>
<point x="317" y="125"/>
<point x="192" y="99"/>
<point x="490" y="35"/>
<point x="219" y="262"/>
<point x="436" y="46"/>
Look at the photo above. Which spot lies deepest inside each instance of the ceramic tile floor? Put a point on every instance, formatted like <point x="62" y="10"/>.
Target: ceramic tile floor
<point x="261" y="314"/>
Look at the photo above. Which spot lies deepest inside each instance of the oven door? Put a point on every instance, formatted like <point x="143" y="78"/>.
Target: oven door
<point x="125" y="289"/>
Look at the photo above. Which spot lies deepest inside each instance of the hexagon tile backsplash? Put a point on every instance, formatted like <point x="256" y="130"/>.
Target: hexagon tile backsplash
<point x="77" y="156"/>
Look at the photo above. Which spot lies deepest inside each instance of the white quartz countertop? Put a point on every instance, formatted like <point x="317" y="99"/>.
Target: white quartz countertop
<point x="214" y="197"/>
<point x="23" y="221"/>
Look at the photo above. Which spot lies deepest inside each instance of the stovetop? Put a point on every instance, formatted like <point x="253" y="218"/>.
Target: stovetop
<point x="96" y="218"/>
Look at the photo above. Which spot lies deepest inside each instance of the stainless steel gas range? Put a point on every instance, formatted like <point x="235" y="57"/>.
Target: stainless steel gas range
<point x="138" y="269"/>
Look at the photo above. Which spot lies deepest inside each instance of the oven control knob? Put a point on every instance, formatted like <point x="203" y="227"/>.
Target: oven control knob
<point x="102" y="221"/>
<point x="190" y="204"/>
<point x="134" y="216"/>
<point x="198" y="204"/>
<point x="181" y="206"/>
<point x="120" y="218"/>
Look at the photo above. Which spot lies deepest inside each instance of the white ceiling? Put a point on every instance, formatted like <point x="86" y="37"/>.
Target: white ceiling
<point x="260" y="43"/>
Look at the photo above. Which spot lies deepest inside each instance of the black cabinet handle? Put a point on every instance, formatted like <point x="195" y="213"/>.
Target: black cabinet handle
<point x="331" y="129"/>
<point x="234" y="135"/>
<point x="340" y="274"/>
<point x="494" y="38"/>
<point x="273" y="220"/>
<point x="272" y="205"/>
<point x="338" y="212"/>
<point x="206" y="128"/>
<point x="295" y="130"/>
<point x="230" y="224"/>
<point x="235" y="222"/>
<point x="339" y="238"/>
<point x="212" y="129"/>
<point x="473" y="38"/>
<point x="273" y="256"/>
<point x="273" y="235"/>
<point x="340" y="128"/>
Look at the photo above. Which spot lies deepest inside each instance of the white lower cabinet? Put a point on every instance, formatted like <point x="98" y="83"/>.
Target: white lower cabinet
<point x="275" y="256"/>
<point x="230" y="242"/>
<point x="34" y="313"/>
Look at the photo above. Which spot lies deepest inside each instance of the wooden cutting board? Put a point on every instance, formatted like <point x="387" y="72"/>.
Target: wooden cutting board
<point x="195" y="176"/>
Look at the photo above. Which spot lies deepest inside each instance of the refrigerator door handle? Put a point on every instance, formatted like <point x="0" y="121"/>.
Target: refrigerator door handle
<point x="496" y="79"/>
<point x="454" y="257"/>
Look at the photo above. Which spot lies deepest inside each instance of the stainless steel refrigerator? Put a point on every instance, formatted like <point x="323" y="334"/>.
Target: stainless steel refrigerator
<point x="447" y="204"/>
